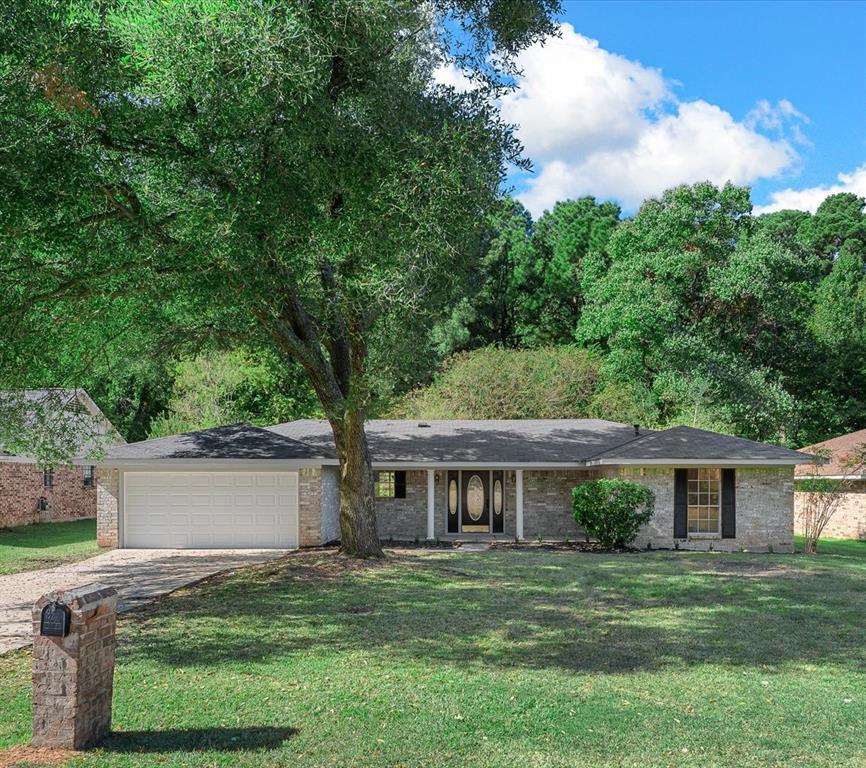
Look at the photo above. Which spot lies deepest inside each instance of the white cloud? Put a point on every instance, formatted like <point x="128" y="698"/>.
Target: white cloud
<point x="452" y="76"/>
<point x="810" y="198"/>
<point x="596" y="123"/>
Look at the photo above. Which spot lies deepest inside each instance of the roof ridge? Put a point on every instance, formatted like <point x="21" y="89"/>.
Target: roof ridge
<point x="634" y="440"/>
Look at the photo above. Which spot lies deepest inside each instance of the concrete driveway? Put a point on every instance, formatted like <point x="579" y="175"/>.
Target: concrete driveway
<point x="139" y="576"/>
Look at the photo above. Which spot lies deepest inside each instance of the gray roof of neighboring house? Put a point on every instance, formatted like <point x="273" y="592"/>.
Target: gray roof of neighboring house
<point x="235" y="441"/>
<point x="573" y="442"/>
<point x="497" y="441"/>
<point x="689" y="443"/>
<point x="57" y="417"/>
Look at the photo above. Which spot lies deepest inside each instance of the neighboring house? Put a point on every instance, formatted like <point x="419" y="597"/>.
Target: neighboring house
<point x="243" y="486"/>
<point x="31" y="493"/>
<point x="849" y="519"/>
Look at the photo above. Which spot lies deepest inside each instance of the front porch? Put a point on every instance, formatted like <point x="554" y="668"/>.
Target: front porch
<point x="476" y="503"/>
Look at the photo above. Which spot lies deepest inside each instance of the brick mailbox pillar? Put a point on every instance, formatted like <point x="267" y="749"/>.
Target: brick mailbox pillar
<point x="73" y="666"/>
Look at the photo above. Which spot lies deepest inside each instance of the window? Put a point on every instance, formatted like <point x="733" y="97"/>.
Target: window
<point x="704" y="500"/>
<point x="475" y="497"/>
<point x="88" y="476"/>
<point x="385" y="485"/>
<point x="47" y="478"/>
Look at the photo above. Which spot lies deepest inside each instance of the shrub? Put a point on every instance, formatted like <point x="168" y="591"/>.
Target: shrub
<point x="494" y="383"/>
<point x="612" y="510"/>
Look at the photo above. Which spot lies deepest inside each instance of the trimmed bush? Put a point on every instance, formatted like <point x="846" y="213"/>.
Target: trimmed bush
<point x="612" y="510"/>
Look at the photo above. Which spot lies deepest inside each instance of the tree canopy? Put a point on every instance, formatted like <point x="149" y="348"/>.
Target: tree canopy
<point x="287" y="176"/>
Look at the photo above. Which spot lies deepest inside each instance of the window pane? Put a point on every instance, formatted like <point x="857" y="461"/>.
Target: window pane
<point x="385" y="485"/>
<point x="452" y="497"/>
<point x="475" y="497"/>
<point x="703" y="500"/>
<point x="497" y="497"/>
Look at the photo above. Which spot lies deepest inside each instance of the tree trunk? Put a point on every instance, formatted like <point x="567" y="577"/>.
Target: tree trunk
<point x="358" y="532"/>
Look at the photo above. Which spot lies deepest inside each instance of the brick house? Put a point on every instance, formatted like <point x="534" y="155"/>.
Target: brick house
<point x="243" y="486"/>
<point x="32" y="493"/>
<point x="849" y="519"/>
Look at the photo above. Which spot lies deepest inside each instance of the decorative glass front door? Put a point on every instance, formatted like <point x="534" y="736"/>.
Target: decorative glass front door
<point x="475" y="516"/>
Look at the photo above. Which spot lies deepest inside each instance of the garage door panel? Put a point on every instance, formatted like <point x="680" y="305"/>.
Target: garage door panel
<point x="210" y="509"/>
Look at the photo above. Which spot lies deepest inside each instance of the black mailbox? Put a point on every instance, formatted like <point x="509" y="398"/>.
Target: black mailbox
<point x="55" y="620"/>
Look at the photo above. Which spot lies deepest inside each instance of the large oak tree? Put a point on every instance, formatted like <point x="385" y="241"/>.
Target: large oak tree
<point x="279" y="173"/>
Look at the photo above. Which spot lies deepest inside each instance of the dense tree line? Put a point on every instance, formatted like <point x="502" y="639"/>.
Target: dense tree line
<point x="698" y="311"/>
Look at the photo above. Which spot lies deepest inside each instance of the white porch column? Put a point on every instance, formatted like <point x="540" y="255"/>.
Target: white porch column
<point x="431" y="504"/>
<point x="518" y="477"/>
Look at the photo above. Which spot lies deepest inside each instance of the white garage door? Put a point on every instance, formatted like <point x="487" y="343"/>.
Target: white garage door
<point x="202" y="510"/>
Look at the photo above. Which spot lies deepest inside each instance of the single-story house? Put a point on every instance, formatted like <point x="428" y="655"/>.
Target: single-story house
<point x="849" y="519"/>
<point x="32" y="493"/>
<point x="245" y="486"/>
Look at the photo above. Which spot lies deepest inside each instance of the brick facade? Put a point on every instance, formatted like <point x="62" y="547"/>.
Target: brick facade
<point x="547" y="503"/>
<point x="107" y="517"/>
<point x="406" y="519"/>
<point x="21" y="488"/>
<point x="764" y="517"/>
<point x="764" y="508"/>
<point x="310" y="507"/>
<point x="764" y="520"/>
<point x="849" y="519"/>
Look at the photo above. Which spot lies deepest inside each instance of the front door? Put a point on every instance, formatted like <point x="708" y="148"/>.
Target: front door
<point x="475" y="513"/>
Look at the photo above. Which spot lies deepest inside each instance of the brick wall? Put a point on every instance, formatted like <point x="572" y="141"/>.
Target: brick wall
<point x="310" y="507"/>
<point x="849" y="519"/>
<point x="21" y="487"/>
<point x="765" y="510"/>
<point x="547" y="509"/>
<point x="405" y="519"/>
<point x="107" y="509"/>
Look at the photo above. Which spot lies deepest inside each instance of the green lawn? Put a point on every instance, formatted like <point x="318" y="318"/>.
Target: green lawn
<point x="509" y="658"/>
<point x="45" y="545"/>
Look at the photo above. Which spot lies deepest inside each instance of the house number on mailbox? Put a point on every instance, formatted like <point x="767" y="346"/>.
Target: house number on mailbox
<point x="55" y="620"/>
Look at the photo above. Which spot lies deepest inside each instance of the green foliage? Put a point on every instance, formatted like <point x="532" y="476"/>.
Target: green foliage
<point x="218" y="388"/>
<point x="711" y="311"/>
<point x="494" y="383"/>
<point x="817" y="485"/>
<point x="612" y="510"/>
<point x="487" y="311"/>
<point x="839" y="219"/>
<point x="551" y="298"/>
<point x="278" y="175"/>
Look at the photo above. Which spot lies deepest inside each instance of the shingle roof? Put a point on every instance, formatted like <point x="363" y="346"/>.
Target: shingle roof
<point x="235" y="441"/>
<point x="516" y="442"/>
<point x="840" y="450"/>
<point x="496" y="441"/>
<point x="689" y="443"/>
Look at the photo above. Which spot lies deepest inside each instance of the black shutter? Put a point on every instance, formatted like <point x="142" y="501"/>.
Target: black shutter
<point x="681" y="508"/>
<point x="729" y="504"/>
<point x="400" y="485"/>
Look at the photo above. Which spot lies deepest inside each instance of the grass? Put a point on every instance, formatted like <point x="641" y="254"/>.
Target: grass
<point x="44" y="545"/>
<point x="509" y="658"/>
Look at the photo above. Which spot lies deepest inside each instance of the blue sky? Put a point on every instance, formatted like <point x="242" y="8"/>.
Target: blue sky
<point x="771" y="94"/>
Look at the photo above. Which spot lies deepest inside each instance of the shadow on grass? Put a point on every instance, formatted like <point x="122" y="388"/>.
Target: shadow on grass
<point x="573" y="611"/>
<point x="198" y="740"/>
